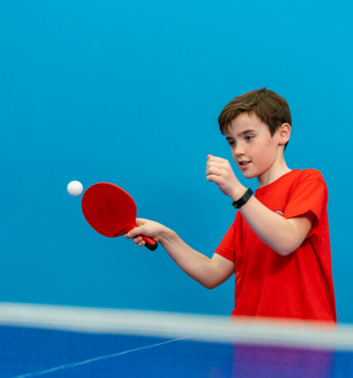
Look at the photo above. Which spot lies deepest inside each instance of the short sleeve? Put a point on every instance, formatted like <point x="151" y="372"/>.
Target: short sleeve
<point x="226" y="247"/>
<point x="309" y="195"/>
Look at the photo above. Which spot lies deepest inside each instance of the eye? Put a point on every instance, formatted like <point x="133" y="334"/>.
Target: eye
<point x="249" y="138"/>
<point x="231" y="143"/>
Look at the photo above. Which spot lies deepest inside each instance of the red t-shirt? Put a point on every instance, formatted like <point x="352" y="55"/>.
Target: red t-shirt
<point x="295" y="286"/>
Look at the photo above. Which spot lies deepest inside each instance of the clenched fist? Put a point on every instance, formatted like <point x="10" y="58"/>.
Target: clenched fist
<point x="219" y="170"/>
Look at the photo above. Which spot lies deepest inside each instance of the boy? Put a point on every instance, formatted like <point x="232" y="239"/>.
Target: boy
<point x="279" y="245"/>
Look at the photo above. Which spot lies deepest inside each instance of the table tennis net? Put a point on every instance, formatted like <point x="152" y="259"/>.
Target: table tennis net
<point x="56" y="341"/>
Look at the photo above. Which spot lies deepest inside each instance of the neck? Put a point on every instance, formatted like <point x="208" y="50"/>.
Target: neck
<point x="278" y="169"/>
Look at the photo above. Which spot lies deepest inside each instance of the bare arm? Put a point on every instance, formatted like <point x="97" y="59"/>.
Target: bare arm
<point x="208" y="272"/>
<point x="282" y="235"/>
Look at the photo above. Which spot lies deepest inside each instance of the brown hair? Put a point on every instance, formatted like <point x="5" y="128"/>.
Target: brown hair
<point x="272" y="109"/>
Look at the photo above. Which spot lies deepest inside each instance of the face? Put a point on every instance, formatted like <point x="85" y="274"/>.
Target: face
<point x="254" y="150"/>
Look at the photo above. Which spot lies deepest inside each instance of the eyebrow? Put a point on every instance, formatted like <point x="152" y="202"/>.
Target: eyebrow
<point x="242" y="133"/>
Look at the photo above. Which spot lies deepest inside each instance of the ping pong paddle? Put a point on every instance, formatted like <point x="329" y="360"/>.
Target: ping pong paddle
<point x="111" y="211"/>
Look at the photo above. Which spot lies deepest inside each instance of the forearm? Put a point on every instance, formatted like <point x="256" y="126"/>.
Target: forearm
<point x="282" y="235"/>
<point x="208" y="272"/>
<point x="275" y="231"/>
<point x="195" y="264"/>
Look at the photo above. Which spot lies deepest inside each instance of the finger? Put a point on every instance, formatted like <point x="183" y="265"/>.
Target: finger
<point x="214" y="171"/>
<point x="134" y="232"/>
<point x="137" y="240"/>
<point x="217" y="162"/>
<point x="141" y="243"/>
<point x="214" y="178"/>
<point x="217" y="166"/>
<point x="223" y="167"/>
<point x="215" y="158"/>
<point x="140" y="221"/>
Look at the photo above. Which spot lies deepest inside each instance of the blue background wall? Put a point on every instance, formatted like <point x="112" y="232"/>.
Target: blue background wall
<point x="130" y="93"/>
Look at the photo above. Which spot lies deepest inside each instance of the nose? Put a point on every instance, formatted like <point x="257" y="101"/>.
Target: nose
<point x="239" y="150"/>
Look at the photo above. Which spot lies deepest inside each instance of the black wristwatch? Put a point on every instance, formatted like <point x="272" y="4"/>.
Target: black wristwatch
<point x="243" y="199"/>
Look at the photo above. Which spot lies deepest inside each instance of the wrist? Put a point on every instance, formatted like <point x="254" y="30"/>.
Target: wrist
<point x="166" y="235"/>
<point x="238" y="193"/>
<point x="243" y="199"/>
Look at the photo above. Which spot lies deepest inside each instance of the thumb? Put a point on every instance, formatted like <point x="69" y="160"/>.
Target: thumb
<point x="133" y="233"/>
<point x="140" y="221"/>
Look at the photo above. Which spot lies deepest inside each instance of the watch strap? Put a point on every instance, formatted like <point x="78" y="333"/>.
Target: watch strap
<point x="243" y="199"/>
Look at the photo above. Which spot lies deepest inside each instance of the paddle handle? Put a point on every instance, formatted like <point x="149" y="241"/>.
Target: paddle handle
<point x="151" y="244"/>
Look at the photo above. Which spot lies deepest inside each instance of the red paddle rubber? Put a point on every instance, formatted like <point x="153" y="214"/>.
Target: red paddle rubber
<point x="111" y="211"/>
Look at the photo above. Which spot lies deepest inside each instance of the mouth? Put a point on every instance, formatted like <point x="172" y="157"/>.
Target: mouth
<point x="244" y="163"/>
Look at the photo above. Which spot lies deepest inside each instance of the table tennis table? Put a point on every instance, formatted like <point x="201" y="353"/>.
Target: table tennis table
<point x="55" y="341"/>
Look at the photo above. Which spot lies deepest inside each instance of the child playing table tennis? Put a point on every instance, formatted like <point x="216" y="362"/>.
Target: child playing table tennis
<point x="278" y="245"/>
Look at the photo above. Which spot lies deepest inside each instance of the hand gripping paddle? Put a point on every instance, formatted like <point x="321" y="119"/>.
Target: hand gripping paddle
<point x="111" y="211"/>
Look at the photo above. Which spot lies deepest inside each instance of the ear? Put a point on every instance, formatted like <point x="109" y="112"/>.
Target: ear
<point x="284" y="133"/>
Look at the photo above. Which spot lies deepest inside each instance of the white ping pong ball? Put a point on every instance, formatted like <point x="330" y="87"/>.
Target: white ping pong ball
<point x="75" y="188"/>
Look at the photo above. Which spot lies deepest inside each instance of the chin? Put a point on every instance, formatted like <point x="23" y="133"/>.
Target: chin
<point x="249" y="175"/>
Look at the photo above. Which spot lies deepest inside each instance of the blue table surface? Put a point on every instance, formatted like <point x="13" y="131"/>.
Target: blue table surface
<point x="33" y="352"/>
